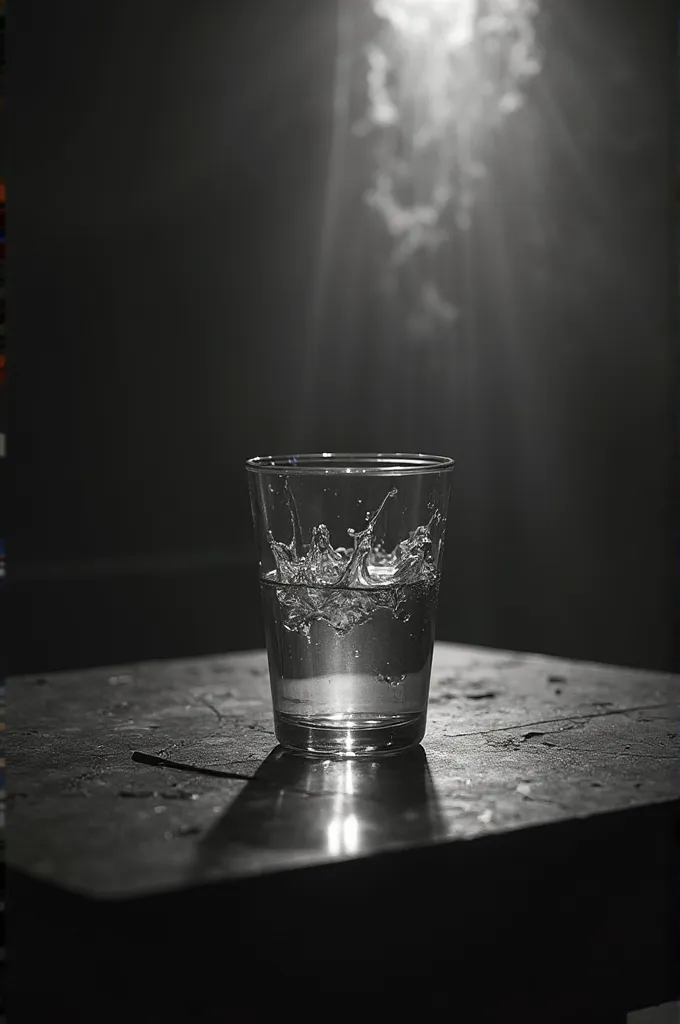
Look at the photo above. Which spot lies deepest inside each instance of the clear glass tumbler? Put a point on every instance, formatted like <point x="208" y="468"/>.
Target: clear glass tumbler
<point x="350" y="551"/>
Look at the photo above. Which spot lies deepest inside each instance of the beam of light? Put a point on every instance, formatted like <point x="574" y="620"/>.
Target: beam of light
<point x="441" y="77"/>
<point x="341" y="128"/>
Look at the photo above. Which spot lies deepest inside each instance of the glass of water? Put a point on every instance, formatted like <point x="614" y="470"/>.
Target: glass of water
<point x="350" y="551"/>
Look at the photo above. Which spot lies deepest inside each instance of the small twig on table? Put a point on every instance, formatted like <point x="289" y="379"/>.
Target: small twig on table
<point x="163" y="762"/>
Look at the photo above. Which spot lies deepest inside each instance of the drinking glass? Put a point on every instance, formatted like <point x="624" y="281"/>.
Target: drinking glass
<point x="350" y="554"/>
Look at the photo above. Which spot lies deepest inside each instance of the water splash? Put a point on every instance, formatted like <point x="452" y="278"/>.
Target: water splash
<point x="344" y="587"/>
<point x="288" y="554"/>
<point x="442" y="75"/>
<point x="365" y="565"/>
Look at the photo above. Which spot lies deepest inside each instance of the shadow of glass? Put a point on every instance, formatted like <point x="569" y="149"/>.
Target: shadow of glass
<point x="298" y="811"/>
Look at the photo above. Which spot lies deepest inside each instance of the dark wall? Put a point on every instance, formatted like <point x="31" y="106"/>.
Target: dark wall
<point x="166" y="201"/>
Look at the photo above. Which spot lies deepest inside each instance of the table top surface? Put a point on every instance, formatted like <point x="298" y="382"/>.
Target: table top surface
<point x="513" y="741"/>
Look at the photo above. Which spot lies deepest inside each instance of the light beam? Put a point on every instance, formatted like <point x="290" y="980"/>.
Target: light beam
<point x="442" y="76"/>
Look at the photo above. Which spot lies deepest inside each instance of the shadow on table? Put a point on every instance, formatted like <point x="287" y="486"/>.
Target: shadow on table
<point x="298" y="811"/>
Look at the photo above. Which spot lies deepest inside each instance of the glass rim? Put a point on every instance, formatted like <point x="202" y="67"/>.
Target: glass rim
<point x="351" y="463"/>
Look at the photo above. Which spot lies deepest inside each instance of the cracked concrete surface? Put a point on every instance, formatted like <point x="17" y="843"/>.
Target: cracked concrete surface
<point x="550" y="741"/>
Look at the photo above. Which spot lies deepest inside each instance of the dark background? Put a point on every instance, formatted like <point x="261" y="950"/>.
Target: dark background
<point x="167" y="186"/>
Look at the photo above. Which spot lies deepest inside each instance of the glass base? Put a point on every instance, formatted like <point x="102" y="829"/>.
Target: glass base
<point x="349" y="735"/>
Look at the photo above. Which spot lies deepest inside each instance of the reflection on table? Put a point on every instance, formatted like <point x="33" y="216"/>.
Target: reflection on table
<point x="332" y="808"/>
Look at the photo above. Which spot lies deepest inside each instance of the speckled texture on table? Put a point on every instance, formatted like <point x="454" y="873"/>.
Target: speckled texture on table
<point x="513" y="740"/>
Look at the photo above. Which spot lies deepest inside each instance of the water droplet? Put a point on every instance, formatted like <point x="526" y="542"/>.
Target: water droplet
<point x="391" y="680"/>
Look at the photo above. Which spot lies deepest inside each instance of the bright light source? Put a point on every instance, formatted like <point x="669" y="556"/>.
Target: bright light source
<point x="441" y="76"/>
<point x="417" y="17"/>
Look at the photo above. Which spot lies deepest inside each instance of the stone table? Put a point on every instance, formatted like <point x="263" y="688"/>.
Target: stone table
<point x="523" y="860"/>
